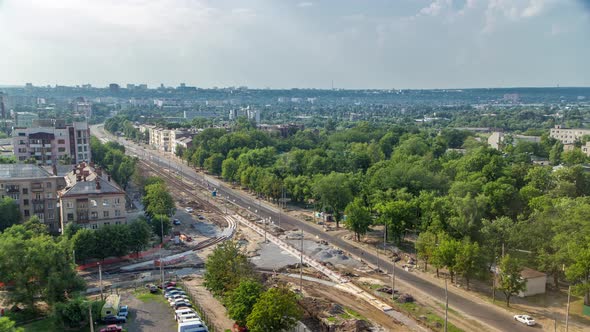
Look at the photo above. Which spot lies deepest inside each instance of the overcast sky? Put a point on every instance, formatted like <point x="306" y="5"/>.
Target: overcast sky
<point x="283" y="43"/>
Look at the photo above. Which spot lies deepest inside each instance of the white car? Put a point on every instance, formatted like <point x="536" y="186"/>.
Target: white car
<point x="525" y="319"/>
<point x="189" y="209"/>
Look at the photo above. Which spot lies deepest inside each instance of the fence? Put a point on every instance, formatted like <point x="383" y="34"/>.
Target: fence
<point x="197" y="306"/>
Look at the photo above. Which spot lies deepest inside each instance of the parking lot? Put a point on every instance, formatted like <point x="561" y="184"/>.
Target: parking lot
<point x="148" y="313"/>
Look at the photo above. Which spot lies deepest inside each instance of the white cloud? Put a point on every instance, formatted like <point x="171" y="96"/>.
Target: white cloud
<point x="436" y="7"/>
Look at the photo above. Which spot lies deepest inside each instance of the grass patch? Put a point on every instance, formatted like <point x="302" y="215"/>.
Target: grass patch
<point x="434" y="321"/>
<point x="332" y="319"/>
<point x="46" y="324"/>
<point x="145" y="296"/>
<point x="349" y="313"/>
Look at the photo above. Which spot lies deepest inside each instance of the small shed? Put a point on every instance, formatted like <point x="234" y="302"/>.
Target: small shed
<point x="536" y="282"/>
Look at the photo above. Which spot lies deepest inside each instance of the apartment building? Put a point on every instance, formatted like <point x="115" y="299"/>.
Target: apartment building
<point x="35" y="191"/>
<point x="568" y="135"/>
<point x="159" y="138"/>
<point x="48" y="142"/>
<point x="91" y="199"/>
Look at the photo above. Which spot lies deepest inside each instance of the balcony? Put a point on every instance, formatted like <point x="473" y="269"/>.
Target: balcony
<point x="12" y="189"/>
<point x="36" y="145"/>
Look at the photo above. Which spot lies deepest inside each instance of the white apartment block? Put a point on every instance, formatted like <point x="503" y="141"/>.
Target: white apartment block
<point x="48" y="145"/>
<point x="568" y="135"/>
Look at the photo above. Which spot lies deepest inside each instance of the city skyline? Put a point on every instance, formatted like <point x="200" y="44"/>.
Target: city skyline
<point x="297" y="44"/>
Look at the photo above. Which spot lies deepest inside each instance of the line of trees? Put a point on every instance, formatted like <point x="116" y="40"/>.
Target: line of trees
<point x="110" y="240"/>
<point x="230" y="275"/>
<point x="111" y="156"/>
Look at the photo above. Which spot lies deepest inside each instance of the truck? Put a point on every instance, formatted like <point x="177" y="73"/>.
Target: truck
<point x="111" y="306"/>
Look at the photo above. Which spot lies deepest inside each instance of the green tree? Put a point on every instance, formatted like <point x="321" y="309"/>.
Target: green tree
<point x="157" y="200"/>
<point x="7" y="325"/>
<point x="469" y="261"/>
<point x="358" y="218"/>
<point x="213" y="163"/>
<point x="276" y="310"/>
<point x="334" y="192"/>
<point x="510" y="281"/>
<point x="426" y="246"/>
<point x="225" y="267"/>
<point x="397" y="216"/>
<point x="229" y="169"/>
<point x="573" y="157"/>
<point x="9" y="213"/>
<point x="72" y="314"/>
<point x="579" y="271"/>
<point x="140" y="235"/>
<point x="159" y="221"/>
<point x="240" y="301"/>
<point x="445" y="254"/>
<point x="85" y="245"/>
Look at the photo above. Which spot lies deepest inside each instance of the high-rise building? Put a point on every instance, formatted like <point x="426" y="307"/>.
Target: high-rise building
<point x="49" y="145"/>
<point x="114" y="88"/>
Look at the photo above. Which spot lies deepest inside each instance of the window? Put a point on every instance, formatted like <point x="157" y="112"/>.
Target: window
<point x="107" y="223"/>
<point x="117" y="201"/>
<point x="22" y="150"/>
<point x="117" y="223"/>
<point x="21" y="142"/>
<point x="105" y="214"/>
<point x="50" y="215"/>
<point x="25" y="191"/>
<point x="48" y="195"/>
<point x="69" y="205"/>
<point x="61" y="149"/>
<point x="93" y="215"/>
<point x="70" y="217"/>
<point x="79" y="149"/>
<point x="27" y="214"/>
<point x="61" y="141"/>
<point x="117" y="213"/>
<point x="93" y="203"/>
<point x="105" y="202"/>
<point x="94" y="226"/>
<point x="22" y="134"/>
<point x="25" y="202"/>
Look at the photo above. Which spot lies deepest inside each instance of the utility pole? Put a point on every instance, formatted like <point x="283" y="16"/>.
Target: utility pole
<point x="567" y="310"/>
<point x="100" y="281"/>
<point x="90" y="317"/>
<point x="446" y="306"/>
<point x="264" y="219"/>
<point x="161" y="245"/>
<point x="384" y="248"/>
<point x="378" y="261"/>
<point x="393" y="282"/>
<point x="301" y="265"/>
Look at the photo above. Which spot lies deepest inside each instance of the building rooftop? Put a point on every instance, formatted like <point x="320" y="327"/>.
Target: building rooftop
<point x="528" y="273"/>
<point x="20" y="171"/>
<point x="84" y="179"/>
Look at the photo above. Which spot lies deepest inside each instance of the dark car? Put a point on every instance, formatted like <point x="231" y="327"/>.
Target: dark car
<point x="176" y="222"/>
<point x="114" y="319"/>
<point x="179" y="305"/>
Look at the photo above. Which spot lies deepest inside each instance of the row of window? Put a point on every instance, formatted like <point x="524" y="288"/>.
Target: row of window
<point x="95" y="226"/>
<point x="41" y="216"/>
<point x="94" y="215"/>
<point x="94" y="203"/>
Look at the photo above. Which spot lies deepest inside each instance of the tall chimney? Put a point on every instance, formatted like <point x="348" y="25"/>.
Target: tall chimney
<point x="97" y="184"/>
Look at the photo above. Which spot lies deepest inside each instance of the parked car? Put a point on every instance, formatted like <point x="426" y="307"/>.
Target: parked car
<point x="174" y="293"/>
<point x="114" y="319"/>
<point x="183" y="312"/>
<point x="189" y="317"/>
<point x="189" y="209"/>
<point x="525" y="319"/>
<point x="176" y="222"/>
<point x="201" y="218"/>
<point x="179" y="305"/>
<point x="153" y="288"/>
<point x="178" y="298"/>
<point x="123" y="311"/>
<point x="112" y="328"/>
<point x="173" y="303"/>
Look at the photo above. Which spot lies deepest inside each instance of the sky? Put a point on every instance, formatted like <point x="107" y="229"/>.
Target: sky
<point x="385" y="44"/>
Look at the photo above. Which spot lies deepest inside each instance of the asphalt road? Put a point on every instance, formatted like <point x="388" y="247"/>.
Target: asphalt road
<point x="480" y="311"/>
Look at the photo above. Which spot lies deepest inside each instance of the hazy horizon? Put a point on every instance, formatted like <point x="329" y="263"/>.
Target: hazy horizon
<point x="405" y="44"/>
